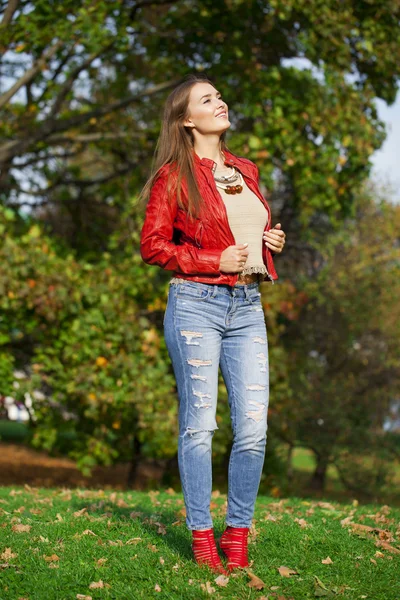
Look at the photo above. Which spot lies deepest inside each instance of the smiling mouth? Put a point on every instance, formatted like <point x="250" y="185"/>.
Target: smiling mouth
<point x="222" y="115"/>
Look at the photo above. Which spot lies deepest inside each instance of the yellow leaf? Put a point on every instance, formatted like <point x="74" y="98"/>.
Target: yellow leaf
<point x="101" y="361"/>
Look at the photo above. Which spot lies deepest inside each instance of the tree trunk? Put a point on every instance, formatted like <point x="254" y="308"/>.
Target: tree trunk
<point x="318" y="479"/>
<point x="136" y="448"/>
<point x="289" y="468"/>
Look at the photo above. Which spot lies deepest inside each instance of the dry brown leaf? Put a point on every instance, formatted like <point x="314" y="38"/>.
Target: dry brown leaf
<point x="79" y="513"/>
<point x="99" y="585"/>
<point x="102" y="561"/>
<point x="386" y="546"/>
<point x="255" y="582"/>
<point x="122" y="504"/>
<point x="59" y="518"/>
<point x="373" y="561"/>
<point x="20" y="528"/>
<point x="54" y="565"/>
<point x="83" y="597"/>
<point x="326" y="505"/>
<point x="162" y="561"/>
<point x="286" y="571"/>
<point x="8" y="554"/>
<point x="152" y="547"/>
<point x="43" y="539"/>
<point x="88" y="532"/>
<point x="157" y="588"/>
<point x="134" y="514"/>
<point x="327" y="561"/>
<point x="133" y="541"/>
<point x="222" y="580"/>
<point x="303" y="523"/>
<point x="116" y="543"/>
<point x="207" y="587"/>
<point x="52" y="558"/>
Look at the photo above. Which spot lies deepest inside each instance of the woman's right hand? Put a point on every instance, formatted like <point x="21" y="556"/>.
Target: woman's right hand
<point x="233" y="258"/>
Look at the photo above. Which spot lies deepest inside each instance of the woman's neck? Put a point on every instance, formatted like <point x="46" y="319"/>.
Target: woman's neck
<point x="210" y="149"/>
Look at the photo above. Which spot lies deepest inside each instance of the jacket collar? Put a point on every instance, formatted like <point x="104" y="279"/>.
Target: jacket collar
<point x="230" y="160"/>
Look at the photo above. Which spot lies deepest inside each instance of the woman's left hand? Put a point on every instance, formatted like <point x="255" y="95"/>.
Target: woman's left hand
<point x="275" y="238"/>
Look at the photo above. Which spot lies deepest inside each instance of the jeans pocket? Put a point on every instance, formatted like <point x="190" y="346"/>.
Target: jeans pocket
<point x="192" y="291"/>
<point x="255" y="298"/>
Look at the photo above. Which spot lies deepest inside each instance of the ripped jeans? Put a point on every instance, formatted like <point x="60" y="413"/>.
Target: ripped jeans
<point x="207" y="325"/>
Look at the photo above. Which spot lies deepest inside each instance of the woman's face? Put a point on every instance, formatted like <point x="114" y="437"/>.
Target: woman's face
<point x="207" y="112"/>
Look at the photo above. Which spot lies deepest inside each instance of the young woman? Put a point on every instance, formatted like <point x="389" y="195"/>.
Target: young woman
<point x="207" y="222"/>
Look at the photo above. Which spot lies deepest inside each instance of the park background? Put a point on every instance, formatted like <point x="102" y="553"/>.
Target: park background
<point x="87" y="390"/>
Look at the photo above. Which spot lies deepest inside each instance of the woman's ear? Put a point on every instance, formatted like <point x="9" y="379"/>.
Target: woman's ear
<point x="188" y="123"/>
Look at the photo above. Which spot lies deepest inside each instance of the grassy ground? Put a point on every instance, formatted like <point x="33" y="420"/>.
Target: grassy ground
<point x="63" y="544"/>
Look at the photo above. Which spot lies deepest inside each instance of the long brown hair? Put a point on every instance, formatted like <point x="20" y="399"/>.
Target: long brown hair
<point x="175" y="147"/>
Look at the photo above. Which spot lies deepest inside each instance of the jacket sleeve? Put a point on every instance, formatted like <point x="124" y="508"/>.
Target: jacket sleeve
<point x="156" y="240"/>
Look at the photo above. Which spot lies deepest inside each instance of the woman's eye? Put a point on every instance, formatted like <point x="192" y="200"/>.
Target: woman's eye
<point x="219" y="98"/>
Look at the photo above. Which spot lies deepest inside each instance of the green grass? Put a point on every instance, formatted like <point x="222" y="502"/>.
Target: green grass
<point x="162" y="555"/>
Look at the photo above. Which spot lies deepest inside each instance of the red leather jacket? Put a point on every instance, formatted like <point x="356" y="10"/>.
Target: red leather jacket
<point x="192" y="248"/>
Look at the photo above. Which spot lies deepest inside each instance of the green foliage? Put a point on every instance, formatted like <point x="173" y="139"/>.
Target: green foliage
<point x="86" y="335"/>
<point x="79" y="126"/>
<point x="344" y="347"/>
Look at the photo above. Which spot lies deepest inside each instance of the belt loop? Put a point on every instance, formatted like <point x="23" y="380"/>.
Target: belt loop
<point x="246" y="291"/>
<point x="214" y="291"/>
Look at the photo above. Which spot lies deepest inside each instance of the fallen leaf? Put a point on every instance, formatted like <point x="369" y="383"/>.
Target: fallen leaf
<point x="99" y="585"/>
<point x="326" y="505"/>
<point x="222" y="580"/>
<point x="51" y="558"/>
<point x="286" y="571"/>
<point x="83" y="597"/>
<point x="88" y="532"/>
<point x="157" y="588"/>
<point x="207" y="587"/>
<point x="327" y="561"/>
<point x="102" y="561"/>
<point x="255" y="582"/>
<point x="19" y="528"/>
<point x="386" y="546"/>
<point x="133" y="541"/>
<point x="303" y="523"/>
<point x="79" y="513"/>
<point x="8" y="554"/>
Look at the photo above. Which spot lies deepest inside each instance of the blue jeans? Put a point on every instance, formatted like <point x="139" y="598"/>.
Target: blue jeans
<point x="207" y="325"/>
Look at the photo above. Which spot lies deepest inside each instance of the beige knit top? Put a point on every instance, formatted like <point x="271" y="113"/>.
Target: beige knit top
<point x="247" y="217"/>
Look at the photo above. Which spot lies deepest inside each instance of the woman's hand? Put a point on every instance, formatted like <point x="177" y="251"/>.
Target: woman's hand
<point x="233" y="258"/>
<point x="275" y="238"/>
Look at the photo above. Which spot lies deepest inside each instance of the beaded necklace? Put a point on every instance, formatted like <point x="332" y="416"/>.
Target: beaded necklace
<point x="223" y="181"/>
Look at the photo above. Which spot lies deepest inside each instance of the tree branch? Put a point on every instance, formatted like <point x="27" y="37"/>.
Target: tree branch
<point x="46" y="128"/>
<point x="29" y="74"/>
<point x="9" y="12"/>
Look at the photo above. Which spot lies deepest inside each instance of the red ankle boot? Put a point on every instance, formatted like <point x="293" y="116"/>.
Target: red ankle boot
<point x="205" y="550"/>
<point x="233" y="543"/>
